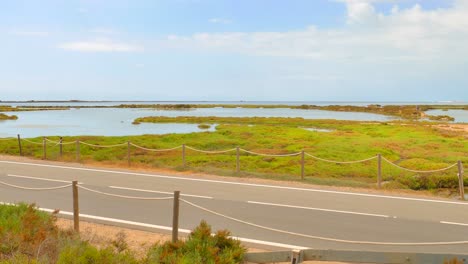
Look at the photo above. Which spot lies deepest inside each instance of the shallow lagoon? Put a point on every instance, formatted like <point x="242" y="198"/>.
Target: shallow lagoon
<point x="118" y="121"/>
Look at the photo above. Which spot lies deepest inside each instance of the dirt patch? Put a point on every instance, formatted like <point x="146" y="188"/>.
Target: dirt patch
<point x="454" y="127"/>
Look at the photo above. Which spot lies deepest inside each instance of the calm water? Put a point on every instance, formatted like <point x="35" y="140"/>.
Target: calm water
<point x="118" y="121"/>
<point x="461" y="116"/>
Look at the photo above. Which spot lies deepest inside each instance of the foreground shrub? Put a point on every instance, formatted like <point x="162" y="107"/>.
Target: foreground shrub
<point x="199" y="248"/>
<point x="79" y="252"/>
<point x="25" y="231"/>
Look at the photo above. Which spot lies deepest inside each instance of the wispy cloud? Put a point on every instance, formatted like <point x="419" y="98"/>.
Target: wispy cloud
<point x="217" y="20"/>
<point x="27" y="33"/>
<point x="100" y="46"/>
<point x="403" y="34"/>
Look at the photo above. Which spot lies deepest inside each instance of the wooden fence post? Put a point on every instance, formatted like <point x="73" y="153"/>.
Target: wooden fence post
<point x="76" y="210"/>
<point x="461" y="183"/>
<point x="60" y="147"/>
<point x="19" y="145"/>
<point x="379" y="170"/>
<point x="183" y="156"/>
<point x="77" y="151"/>
<point x="175" y="217"/>
<point x="237" y="160"/>
<point x="302" y="164"/>
<point x="44" y="148"/>
<point x="128" y="153"/>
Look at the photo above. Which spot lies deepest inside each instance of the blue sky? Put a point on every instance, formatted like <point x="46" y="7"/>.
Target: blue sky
<point x="304" y="50"/>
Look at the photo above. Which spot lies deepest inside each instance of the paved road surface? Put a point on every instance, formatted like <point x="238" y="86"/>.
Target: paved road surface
<point x="314" y="212"/>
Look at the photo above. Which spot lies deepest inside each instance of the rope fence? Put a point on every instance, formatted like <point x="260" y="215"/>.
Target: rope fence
<point x="124" y="196"/>
<point x="175" y="223"/>
<point x="35" y="189"/>
<point x="238" y="152"/>
<point x="321" y="237"/>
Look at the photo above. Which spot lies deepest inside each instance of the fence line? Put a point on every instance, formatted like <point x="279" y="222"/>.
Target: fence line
<point x="103" y="146"/>
<point x="155" y="150"/>
<point x="177" y="198"/>
<point x="211" y="151"/>
<point x="270" y="155"/>
<point x="339" y="162"/>
<point x="125" y="196"/>
<point x="237" y="151"/>
<point x="35" y="189"/>
<point x="325" y="238"/>
<point x="420" y="171"/>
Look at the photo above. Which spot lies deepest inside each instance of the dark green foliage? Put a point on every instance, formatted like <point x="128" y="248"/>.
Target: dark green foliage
<point x="201" y="247"/>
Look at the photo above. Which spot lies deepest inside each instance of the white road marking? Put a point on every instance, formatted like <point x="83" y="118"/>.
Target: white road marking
<point x="453" y="223"/>
<point x="167" y="228"/>
<point x="37" y="178"/>
<point x="151" y="191"/>
<point x="237" y="183"/>
<point x="318" y="209"/>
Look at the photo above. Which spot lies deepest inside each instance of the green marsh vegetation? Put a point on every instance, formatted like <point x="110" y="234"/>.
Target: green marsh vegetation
<point x="31" y="236"/>
<point x="7" y="117"/>
<point x="414" y="145"/>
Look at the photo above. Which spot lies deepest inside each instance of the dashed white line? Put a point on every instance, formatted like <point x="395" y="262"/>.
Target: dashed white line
<point x="453" y="223"/>
<point x="237" y="183"/>
<point x="37" y="178"/>
<point x="167" y="228"/>
<point x="151" y="191"/>
<point x="319" y="209"/>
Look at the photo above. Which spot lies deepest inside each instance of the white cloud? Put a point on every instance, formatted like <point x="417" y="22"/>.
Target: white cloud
<point x="100" y="46"/>
<point x="220" y="21"/>
<point x="411" y="34"/>
<point x="27" y="33"/>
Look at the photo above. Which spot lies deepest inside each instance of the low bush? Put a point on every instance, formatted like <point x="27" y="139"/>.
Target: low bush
<point x="31" y="236"/>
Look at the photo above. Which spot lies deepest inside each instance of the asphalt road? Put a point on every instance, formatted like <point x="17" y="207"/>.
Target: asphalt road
<point x="354" y="217"/>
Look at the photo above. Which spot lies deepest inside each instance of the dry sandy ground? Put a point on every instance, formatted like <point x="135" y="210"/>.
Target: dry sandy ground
<point x="138" y="241"/>
<point x="454" y="127"/>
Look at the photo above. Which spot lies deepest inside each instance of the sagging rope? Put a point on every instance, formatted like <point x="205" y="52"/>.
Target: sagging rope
<point x="339" y="162"/>
<point x="326" y="238"/>
<point x="419" y="171"/>
<point x="62" y="143"/>
<point x="211" y="151"/>
<point x="125" y="196"/>
<point x="35" y="189"/>
<point x="271" y="155"/>
<point x="155" y="150"/>
<point x="103" y="146"/>
<point x="32" y="142"/>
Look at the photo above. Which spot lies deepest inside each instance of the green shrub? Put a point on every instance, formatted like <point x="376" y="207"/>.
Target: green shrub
<point x="201" y="247"/>
<point x="79" y="252"/>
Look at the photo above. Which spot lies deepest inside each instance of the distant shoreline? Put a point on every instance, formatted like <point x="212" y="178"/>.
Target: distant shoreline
<point x="230" y="101"/>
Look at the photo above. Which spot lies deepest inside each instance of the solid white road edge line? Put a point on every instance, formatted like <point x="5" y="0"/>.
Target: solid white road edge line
<point x="151" y="191"/>
<point x="318" y="209"/>
<point x="167" y="228"/>
<point x="36" y="178"/>
<point x="453" y="223"/>
<point x="236" y="183"/>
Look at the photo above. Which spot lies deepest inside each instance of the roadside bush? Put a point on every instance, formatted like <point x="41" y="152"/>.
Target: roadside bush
<point x="80" y="252"/>
<point x="24" y="231"/>
<point x="428" y="181"/>
<point x="200" y="248"/>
